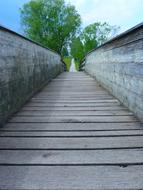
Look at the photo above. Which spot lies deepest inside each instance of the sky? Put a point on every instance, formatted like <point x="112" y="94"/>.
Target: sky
<point x="123" y="13"/>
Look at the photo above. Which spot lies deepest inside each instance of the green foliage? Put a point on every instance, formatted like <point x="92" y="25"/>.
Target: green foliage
<point x="96" y="34"/>
<point x="77" y="65"/>
<point x="52" y="23"/>
<point x="67" y="61"/>
<point x="56" y="25"/>
<point x="91" y="37"/>
<point x="65" y="52"/>
<point x="77" y="49"/>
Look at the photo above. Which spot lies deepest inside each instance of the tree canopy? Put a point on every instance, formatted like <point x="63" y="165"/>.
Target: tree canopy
<point x="52" y="23"/>
<point x="91" y="37"/>
<point x="77" y="49"/>
<point x="57" y="25"/>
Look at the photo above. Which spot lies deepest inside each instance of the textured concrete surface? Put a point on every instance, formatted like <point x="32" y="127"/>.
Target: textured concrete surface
<point x="118" y="66"/>
<point x="25" y="67"/>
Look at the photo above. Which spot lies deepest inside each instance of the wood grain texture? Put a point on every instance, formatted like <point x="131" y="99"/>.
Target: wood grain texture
<point x="74" y="157"/>
<point x="118" y="66"/>
<point x="72" y="137"/>
<point x="71" y="143"/>
<point x="71" y="177"/>
<point x="25" y="67"/>
<point x="70" y="126"/>
<point x="73" y="113"/>
<point x="73" y="119"/>
<point x="71" y="133"/>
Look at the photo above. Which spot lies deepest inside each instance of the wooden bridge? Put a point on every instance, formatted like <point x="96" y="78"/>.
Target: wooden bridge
<point x="73" y="134"/>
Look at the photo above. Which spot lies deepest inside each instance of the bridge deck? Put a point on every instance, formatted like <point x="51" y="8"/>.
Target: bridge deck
<point x="72" y="135"/>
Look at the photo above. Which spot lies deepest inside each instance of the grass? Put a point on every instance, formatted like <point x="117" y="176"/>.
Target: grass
<point x="77" y="65"/>
<point x="67" y="61"/>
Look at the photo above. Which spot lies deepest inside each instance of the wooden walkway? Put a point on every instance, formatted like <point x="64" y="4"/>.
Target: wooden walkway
<point x="72" y="135"/>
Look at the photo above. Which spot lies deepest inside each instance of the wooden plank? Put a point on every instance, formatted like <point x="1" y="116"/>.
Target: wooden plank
<point x="71" y="143"/>
<point x="74" y="157"/>
<point x="72" y="133"/>
<point x="71" y="177"/>
<point x="42" y="94"/>
<point x="91" y="86"/>
<point x="51" y="98"/>
<point x="87" y="108"/>
<point x="73" y="101"/>
<point x="71" y="126"/>
<point x="73" y="113"/>
<point x="63" y="84"/>
<point x="91" y="93"/>
<point x="44" y="104"/>
<point x="103" y="153"/>
<point x="72" y="79"/>
<point x="73" y="119"/>
<point x="74" y="90"/>
<point x="60" y="97"/>
<point x="73" y="86"/>
<point x="83" y="84"/>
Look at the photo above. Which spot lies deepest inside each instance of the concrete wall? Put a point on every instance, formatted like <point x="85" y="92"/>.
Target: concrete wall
<point x="118" y="66"/>
<point x="25" y="67"/>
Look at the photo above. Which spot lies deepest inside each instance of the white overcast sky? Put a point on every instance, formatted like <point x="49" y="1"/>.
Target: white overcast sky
<point x="124" y="13"/>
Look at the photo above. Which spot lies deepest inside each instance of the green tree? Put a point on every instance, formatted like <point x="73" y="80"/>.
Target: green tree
<point x="77" y="49"/>
<point x="96" y="34"/>
<point x="91" y="37"/>
<point x="52" y="23"/>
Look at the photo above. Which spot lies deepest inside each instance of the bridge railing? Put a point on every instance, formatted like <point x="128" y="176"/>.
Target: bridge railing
<point x="118" y="66"/>
<point x="25" y="67"/>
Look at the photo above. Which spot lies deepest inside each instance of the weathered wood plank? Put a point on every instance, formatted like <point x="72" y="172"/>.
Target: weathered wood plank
<point x="71" y="99"/>
<point x="74" y="101"/>
<point x="71" y="143"/>
<point x="45" y="104"/>
<point x="76" y="94"/>
<point x="74" y="157"/>
<point x="72" y="133"/>
<point x="102" y="153"/>
<point x="86" y="108"/>
<point x="71" y="95"/>
<point x="71" y="126"/>
<point x="73" y="119"/>
<point x="91" y="93"/>
<point x="71" y="177"/>
<point x="73" y="113"/>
